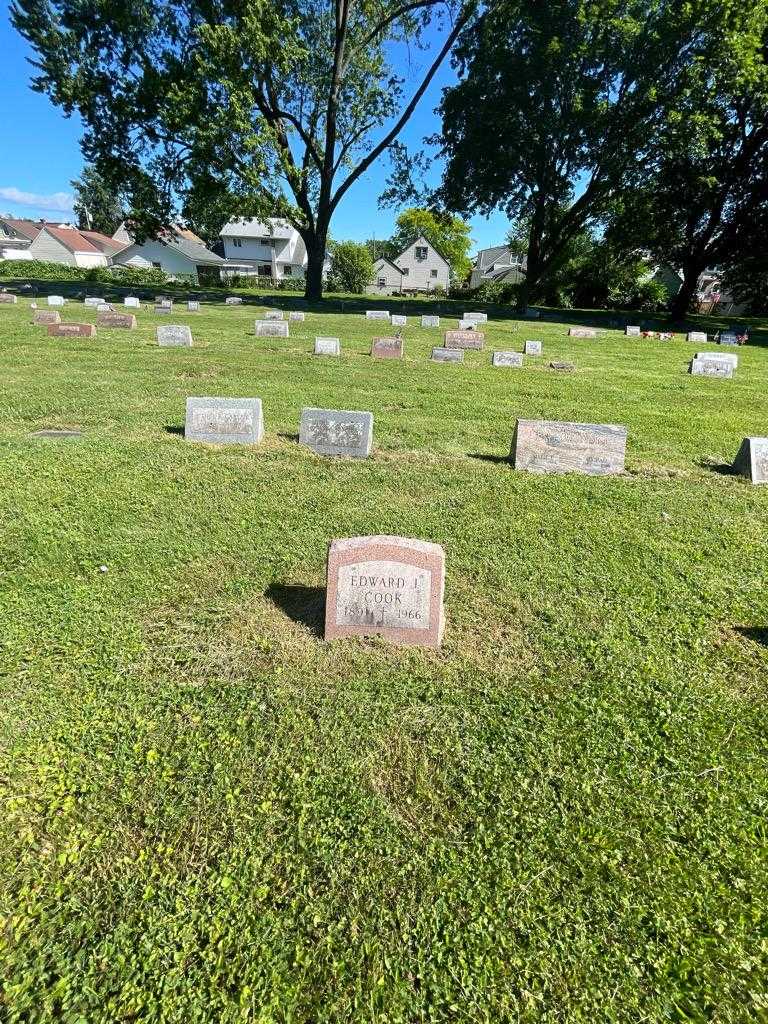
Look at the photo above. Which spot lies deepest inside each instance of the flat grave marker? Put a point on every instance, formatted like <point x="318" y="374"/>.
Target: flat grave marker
<point x="552" y="446"/>
<point x="337" y="431"/>
<point x="271" y="328"/>
<point x="376" y="314"/>
<point x="55" y="434"/>
<point x="464" y="339"/>
<point x="710" y="368"/>
<point x="386" y="586"/>
<point x="430" y="321"/>
<point x="174" y="336"/>
<point x="71" y="330"/>
<point x="7" y="298"/>
<point x="632" y="332"/>
<point x="46" y="316"/>
<point x="752" y="460"/>
<point x="224" y="420"/>
<point x="507" y="359"/>
<point x="387" y="348"/>
<point x="559" y="364"/>
<point x="112" y="319"/>
<point x="582" y="332"/>
<point x="698" y="336"/>
<point x="327" y="347"/>
<point x="447" y="355"/>
<point x="532" y="348"/>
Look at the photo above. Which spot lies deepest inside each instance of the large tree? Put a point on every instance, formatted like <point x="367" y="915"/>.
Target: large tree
<point x="558" y="107"/>
<point x="246" y="109"/>
<point x="97" y="205"/>
<point x="447" y="233"/>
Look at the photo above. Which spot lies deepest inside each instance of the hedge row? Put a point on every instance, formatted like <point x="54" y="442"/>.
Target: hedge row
<point x="39" y="270"/>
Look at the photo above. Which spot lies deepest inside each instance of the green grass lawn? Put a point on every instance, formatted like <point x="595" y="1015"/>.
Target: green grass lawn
<point x="210" y="815"/>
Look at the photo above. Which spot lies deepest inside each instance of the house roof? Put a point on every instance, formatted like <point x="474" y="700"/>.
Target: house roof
<point x="426" y="242"/>
<point x="382" y="260"/>
<point x="273" y="227"/>
<point x="26" y="228"/>
<point x="72" y="239"/>
<point x="189" y="235"/>
<point x="103" y="242"/>
<point x="197" y="254"/>
<point x="485" y="257"/>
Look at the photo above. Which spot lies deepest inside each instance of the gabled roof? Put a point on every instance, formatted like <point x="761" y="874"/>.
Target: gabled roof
<point x="25" y="228"/>
<point x="103" y="242"/>
<point x="195" y="253"/>
<point x="383" y="259"/>
<point x="485" y="257"/>
<point x="429" y="245"/>
<point x="72" y="239"/>
<point x="273" y="227"/>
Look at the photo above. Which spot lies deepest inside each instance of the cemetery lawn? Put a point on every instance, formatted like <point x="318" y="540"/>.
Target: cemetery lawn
<point x="211" y="815"/>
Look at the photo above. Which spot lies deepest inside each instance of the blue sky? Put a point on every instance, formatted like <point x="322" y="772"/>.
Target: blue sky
<point x="40" y="155"/>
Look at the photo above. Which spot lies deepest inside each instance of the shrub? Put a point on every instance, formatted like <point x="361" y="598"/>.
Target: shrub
<point x="352" y="267"/>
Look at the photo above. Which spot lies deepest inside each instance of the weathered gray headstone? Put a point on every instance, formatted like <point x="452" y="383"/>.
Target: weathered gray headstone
<point x="632" y="332"/>
<point x="193" y="306"/>
<point x="710" y="368"/>
<point x="430" y="321"/>
<point x="297" y="315"/>
<point x="465" y="325"/>
<point x="327" y="347"/>
<point x="224" y="420"/>
<point x="582" y="332"/>
<point x="337" y="431"/>
<point x="752" y="460"/>
<point x="273" y="314"/>
<point x="551" y="446"/>
<point x="507" y="359"/>
<point x="447" y="355"/>
<point x="7" y="298"/>
<point x="532" y="348"/>
<point x="71" y="330"/>
<point x="163" y="310"/>
<point x="132" y="302"/>
<point x="46" y="316"/>
<point x="112" y="319"/>
<point x="56" y="300"/>
<point x="724" y="357"/>
<point x="464" y="339"/>
<point x="559" y="364"/>
<point x="233" y="300"/>
<point x="164" y="300"/>
<point x="104" y="307"/>
<point x="387" y="348"/>
<point x="271" y="328"/>
<point x="478" y="318"/>
<point x="397" y="320"/>
<point x="727" y="338"/>
<point x="697" y="336"/>
<point x="376" y="314"/>
<point x="91" y="300"/>
<point x="174" y="335"/>
<point x="388" y="586"/>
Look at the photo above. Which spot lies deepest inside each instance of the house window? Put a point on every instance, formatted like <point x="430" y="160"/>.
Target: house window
<point x="157" y="266"/>
<point x="287" y="271"/>
<point x="405" y="271"/>
<point x="237" y="242"/>
<point x="382" y="282"/>
<point x="269" y="242"/>
<point x="433" y="273"/>
<point x="421" y="252"/>
<point x="265" y="270"/>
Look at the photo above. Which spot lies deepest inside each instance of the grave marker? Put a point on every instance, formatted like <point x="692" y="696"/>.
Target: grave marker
<point x="297" y="315"/>
<point x="56" y="300"/>
<point x="71" y="330"/>
<point x="271" y="328"/>
<point x="727" y="338"/>
<point x="224" y="420"/>
<point x="8" y="298"/>
<point x="551" y="446"/>
<point x="132" y="302"/>
<point x="112" y="319"/>
<point x="273" y="314"/>
<point x="93" y="301"/>
<point x="376" y="314"/>
<point x="477" y="318"/>
<point x="465" y="325"/>
<point x="387" y="348"/>
<point x="104" y="307"/>
<point x="582" y="332"/>
<point x="507" y="359"/>
<point x="233" y="300"/>
<point x="697" y="336"/>
<point x="561" y="365"/>
<point x="464" y="339"/>
<point x="397" y="320"/>
<point x="193" y="306"/>
<point x="447" y="355"/>
<point x="632" y="332"/>
<point x="532" y="348"/>
<point x="752" y="460"/>
<point x="430" y="321"/>
<point x="337" y="431"/>
<point x="710" y="368"/>
<point x="385" y="586"/>
<point x="163" y="310"/>
<point x="327" y="347"/>
<point x="174" y="336"/>
<point x="46" y="316"/>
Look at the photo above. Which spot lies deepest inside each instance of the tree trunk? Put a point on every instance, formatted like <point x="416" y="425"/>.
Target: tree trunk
<point x="682" y="301"/>
<point x="313" y="290"/>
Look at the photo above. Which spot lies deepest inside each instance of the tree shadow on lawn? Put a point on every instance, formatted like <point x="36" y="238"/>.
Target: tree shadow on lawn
<point x="305" y="605"/>
<point x="174" y="428"/>
<point x="288" y="437"/>
<point x="722" y="468"/>
<point x="497" y="460"/>
<point x="759" y="634"/>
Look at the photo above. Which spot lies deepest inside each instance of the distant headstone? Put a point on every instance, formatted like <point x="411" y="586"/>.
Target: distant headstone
<point x="632" y="332"/>
<point x="273" y="314"/>
<point x="224" y="420"/>
<point x="164" y="300"/>
<point x="387" y="348"/>
<point x="233" y="300"/>
<point x="532" y="348"/>
<point x="477" y="318"/>
<point x="376" y="314"/>
<point x="112" y="319"/>
<point x="71" y="330"/>
<point x="174" y="336"/>
<point x="93" y="301"/>
<point x="464" y="339"/>
<point x="132" y="302"/>
<point x="447" y="355"/>
<point x="46" y="316"/>
<point x="163" y="310"/>
<point x="104" y="307"/>
<point x="327" y="347"/>
<point x="296" y="314"/>
<point x="710" y="368"/>
<point x="55" y="300"/>
<point x="752" y="460"/>
<point x="271" y="328"/>
<point x="430" y="321"/>
<point x="559" y="364"/>
<point x="385" y="586"/>
<point x="507" y="359"/>
<point x="724" y="357"/>
<point x="582" y="332"/>
<point x="7" y="298"/>
<point x="551" y="446"/>
<point x="727" y="338"/>
<point x="697" y="336"/>
<point x="337" y="431"/>
<point x="193" y="306"/>
<point x="397" y="320"/>
<point x="465" y="325"/>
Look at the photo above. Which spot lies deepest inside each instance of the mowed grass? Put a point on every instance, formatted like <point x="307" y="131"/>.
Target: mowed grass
<point x="211" y="815"/>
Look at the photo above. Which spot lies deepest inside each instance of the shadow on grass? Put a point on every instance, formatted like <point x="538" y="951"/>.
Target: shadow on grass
<point x="305" y="605"/>
<point x="174" y="428"/>
<point x="497" y="460"/>
<point x="759" y="634"/>
<point x="722" y="468"/>
<point x="288" y="437"/>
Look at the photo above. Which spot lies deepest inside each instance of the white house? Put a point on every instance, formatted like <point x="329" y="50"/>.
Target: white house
<point x="270" y="248"/>
<point x="16" y="236"/>
<point x="70" y="247"/>
<point x="418" y="268"/>
<point x="173" y="252"/>
<point x="499" y="263"/>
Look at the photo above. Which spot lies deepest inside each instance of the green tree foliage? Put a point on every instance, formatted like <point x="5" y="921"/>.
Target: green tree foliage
<point x="97" y="205"/>
<point x="351" y="267"/>
<point x="253" y="109"/>
<point x="447" y="233"/>
<point x="381" y="248"/>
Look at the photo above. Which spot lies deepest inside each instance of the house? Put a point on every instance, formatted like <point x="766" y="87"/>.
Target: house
<point x="418" y="268"/>
<point x="270" y="248"/>
<point x="387" y="278"/>
<point x="16" y="236"/>
<point x="173" y="252"/>
<point x="498" y="263"/>
<point x="68" y="246"/>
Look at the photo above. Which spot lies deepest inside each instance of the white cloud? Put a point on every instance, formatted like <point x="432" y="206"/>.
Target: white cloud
<point x="60" y="201"/>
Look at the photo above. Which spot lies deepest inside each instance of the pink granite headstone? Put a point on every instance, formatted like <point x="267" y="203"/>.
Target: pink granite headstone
<point x="387" y="348"/>
<point x="386" y="586"/>
<point x="464" y="339"/>
<point x="72" y="330"/>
